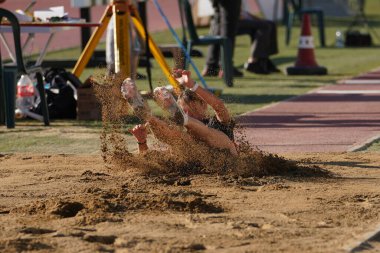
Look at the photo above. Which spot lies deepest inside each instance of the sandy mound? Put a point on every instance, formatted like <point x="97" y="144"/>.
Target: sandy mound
<point x="182" y="158"/>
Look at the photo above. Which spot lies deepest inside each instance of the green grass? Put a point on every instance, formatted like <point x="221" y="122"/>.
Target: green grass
<point x="254" y="91"/>
<point x="375" y="146"/>
<point x="53" y="143"/>
<point x="63" y="137"/>
<point x="249" y="93"/>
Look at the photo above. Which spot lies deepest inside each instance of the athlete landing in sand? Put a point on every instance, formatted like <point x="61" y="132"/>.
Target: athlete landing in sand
<point x="189" y="111"/>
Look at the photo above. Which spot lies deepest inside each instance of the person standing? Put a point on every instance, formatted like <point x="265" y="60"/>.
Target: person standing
<point x="263" y="35"/>
<point x="224" y="23"/>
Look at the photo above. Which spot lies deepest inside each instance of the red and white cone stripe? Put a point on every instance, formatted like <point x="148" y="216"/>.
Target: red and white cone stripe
<point x="306" y="42"/>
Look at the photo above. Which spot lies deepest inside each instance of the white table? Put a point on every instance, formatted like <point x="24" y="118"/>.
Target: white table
<point x="32" y="28"/>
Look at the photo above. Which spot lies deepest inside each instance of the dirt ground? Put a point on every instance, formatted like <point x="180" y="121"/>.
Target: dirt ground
<point x="73" y="203"/>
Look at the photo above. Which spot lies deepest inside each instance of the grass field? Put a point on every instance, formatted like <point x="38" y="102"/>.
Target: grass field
<point x="249" y="93"/>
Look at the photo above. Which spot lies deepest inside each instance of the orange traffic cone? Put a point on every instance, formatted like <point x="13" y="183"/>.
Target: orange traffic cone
<point x="306" y="63"/>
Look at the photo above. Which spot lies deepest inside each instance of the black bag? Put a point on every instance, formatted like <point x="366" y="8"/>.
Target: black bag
<point x="61" y="94"/>
<point x="358" y="39"/>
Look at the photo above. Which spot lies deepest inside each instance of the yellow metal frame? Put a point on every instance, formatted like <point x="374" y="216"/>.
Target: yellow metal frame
<point x="122" y="40"/>
<point x="156" y="52"/>
<point x="92" y="43"/>
<point x="120" y="10"/>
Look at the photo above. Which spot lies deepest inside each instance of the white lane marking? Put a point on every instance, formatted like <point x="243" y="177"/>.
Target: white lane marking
<point x="348" y="92"/>
<point x="360" y="81"/>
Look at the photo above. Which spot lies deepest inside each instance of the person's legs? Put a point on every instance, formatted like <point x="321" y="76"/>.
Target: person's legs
<point x="267" y="32"/>
<point x="226" y="17"/>
<point x="131" y="94"/>
<point x="273" y="46"/>
<point x="213" y="52"/>
<point x="229" y="17"/>
<point x="171" y="135"/>
<point x="212" y="137"/>
<point x="260" y="47"/>
<point x="110" y="52"/>
<point x="163" y="131"/>
<point x="167" y="133"/>
<point x="197" y="129"/>
<point x="251" y="28"/>
<point x="244" y="28"/>
<point x="259" y="31"/>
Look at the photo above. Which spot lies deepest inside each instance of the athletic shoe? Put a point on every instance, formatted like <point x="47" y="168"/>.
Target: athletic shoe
<point x="210" y="72"/>
<point x="235" y="73"/>
<point x="134" y="99"/>
<point x="166" y="100"/>
<point x="259" y="67"/>
<point x="271" y="67"/>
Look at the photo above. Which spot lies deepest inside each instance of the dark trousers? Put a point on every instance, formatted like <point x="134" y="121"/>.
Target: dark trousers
<point x="263" y="35"/>
<point x="224" y="23"/>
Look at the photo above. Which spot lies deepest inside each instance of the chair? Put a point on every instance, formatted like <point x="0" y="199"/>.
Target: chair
<point x="224" y="42"/>
<point x="10" y="73"/>
<point x="295" y="8"/>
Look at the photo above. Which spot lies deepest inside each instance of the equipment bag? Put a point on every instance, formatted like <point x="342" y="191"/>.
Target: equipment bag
<point x="61" y="94"/>
<point x="358" y="39"/>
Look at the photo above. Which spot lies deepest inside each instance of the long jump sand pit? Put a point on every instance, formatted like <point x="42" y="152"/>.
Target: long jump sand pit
<point x="73" y="203"/>
<point x="185" y="199"/>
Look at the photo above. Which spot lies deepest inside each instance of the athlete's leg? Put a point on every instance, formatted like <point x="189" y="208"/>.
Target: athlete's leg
<point x="210" y="136"/>
<point x="213" y="137"/>
<point x="167" y="133"/>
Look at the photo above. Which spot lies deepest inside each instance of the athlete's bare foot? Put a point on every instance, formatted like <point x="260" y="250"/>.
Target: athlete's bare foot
<point x="166" y="100"/>
<point x="134" y="99"/>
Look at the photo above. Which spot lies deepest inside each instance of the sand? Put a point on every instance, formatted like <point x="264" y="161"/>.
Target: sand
<point x="73" y="203"/>
<point x="184" y="199"/>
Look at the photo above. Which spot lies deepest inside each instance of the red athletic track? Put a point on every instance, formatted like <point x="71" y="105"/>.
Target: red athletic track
<point x="322" y="121"/>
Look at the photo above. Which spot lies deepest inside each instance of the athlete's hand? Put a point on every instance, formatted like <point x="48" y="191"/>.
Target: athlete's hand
<point x="184" y="78"/>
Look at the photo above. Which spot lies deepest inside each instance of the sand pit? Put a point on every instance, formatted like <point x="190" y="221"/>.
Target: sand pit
<point x="72" y="203"/>
<point x="186" y="198"/>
